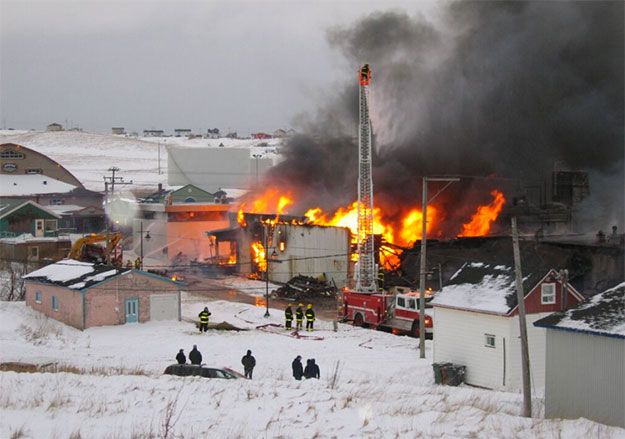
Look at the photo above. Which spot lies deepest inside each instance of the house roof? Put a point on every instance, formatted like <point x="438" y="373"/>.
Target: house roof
<point x="32" y="184"/>
<point x="11" y="205"/>
<point x="483" y="287"/>
<point x="602" y="314"/>
<point x="80" y="276"/>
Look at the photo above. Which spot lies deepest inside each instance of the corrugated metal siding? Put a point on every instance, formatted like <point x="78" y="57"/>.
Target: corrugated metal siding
<point x="311" y="251"/>
<point x="585" y="377"/>
<point x="459" y="337"/>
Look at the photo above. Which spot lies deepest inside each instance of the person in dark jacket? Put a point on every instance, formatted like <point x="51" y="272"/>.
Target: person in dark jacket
<point x="299" y="317"/>
<point x="181" y="358"/>
<point x="248" y="362"/>
<point x="298" y="369"/>
<point x="204" y="319"/>
<point x="312" y="370"/>
<point x="195" y="356"/>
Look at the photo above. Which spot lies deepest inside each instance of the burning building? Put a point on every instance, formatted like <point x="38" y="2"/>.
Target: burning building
<point x="284" y="247"/>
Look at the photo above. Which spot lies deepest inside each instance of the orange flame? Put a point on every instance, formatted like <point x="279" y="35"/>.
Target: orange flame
<point x="485" y="215"/>
<point x="259" y="256"/>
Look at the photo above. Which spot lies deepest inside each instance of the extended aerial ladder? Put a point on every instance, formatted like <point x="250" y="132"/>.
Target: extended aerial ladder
<point x="366" y="275"/>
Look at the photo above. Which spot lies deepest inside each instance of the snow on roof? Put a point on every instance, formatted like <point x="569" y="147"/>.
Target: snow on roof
<point x="602" y="314"/>
<point x="482" y="287"/>
<point x="31" y="184"/>
<point x="73" y="274"/>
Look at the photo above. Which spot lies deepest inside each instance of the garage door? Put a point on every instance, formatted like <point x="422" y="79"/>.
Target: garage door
<point x="164" y="307"/>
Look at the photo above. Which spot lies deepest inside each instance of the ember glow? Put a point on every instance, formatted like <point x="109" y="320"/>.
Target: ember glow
<point x="483" y="218"/>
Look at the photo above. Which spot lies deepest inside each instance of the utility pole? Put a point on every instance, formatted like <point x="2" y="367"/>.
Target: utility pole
<point x="422" y="268"/>
<point x="525" y="357"/>
<point x="267" y="269"/>
<point x="110" y="180"/>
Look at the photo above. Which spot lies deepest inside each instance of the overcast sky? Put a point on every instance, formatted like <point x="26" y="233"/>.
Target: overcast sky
<point x="234" y="65"/>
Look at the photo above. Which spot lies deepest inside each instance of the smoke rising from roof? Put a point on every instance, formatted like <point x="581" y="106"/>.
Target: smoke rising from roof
<point x="496" y="88"/>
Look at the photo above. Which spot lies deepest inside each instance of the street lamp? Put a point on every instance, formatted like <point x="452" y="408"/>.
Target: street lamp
<point x="147" y="238"/>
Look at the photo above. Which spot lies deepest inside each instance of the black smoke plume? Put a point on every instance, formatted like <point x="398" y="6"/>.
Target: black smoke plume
<point x="497" y="91"/>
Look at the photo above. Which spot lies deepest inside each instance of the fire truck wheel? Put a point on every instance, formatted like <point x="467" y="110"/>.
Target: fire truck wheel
<point x="358" y="320"/>
<point x="415" y="329"/>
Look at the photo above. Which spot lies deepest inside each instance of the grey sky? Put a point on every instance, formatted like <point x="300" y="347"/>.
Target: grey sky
<point x="245" y="66"/>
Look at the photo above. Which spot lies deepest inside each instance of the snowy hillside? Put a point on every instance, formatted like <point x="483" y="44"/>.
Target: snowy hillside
<point x="89" y="156"/>
<point x="373" y="384"/>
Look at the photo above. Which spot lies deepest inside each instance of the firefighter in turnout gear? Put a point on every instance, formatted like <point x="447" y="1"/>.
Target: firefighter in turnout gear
<point x="310" y="318"/>
<point x="288" y="316"/>
<point x="365" y="74"/>
<point x="299" y="316"/>
<point x="380" y="279"/>
<point x="204" y="319"/>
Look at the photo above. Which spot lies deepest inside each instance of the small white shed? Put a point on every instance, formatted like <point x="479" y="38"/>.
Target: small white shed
<point x="585" y="361"/>
<point x="476" y="322"/>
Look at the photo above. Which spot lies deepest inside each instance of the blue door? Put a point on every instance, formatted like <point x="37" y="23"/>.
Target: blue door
<point x="132" y="310"/>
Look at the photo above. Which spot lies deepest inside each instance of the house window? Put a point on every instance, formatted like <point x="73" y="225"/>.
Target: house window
<point x="38" y="296"/>
<point x="51" y="225"/>
<point x="55" y="303"/>
<point x="489" y="340"/>
<point x="548" y="294"/>
<point x="56" y="202"/>
<point x="33" y="252"/>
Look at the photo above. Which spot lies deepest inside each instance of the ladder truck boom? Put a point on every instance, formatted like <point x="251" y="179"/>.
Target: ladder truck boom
<point x="367" y="276"/>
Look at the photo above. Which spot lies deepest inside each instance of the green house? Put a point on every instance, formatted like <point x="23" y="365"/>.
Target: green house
<point x="19" y="216"/>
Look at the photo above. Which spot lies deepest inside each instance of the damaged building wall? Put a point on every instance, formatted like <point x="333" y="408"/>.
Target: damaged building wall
<point x="310" y="251"/>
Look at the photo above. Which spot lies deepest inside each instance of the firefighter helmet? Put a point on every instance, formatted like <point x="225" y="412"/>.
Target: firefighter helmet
<point x="301" y="304"/>
<point x="309" y="306"/>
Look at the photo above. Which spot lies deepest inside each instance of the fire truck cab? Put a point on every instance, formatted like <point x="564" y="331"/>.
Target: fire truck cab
<point x="399" y="312"/>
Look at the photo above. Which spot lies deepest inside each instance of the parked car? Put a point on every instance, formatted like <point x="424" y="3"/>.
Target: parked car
<point x="184" y="370"/>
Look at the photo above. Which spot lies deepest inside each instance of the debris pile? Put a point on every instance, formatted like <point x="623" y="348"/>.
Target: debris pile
<point x="304" y="287"/>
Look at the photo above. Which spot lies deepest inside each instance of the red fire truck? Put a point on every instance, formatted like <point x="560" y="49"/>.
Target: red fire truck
<point x="399" y="312"/>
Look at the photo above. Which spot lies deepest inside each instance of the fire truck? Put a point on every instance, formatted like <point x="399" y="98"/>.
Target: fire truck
<point x="366" y="304"/>
<point x="397" y="312"/>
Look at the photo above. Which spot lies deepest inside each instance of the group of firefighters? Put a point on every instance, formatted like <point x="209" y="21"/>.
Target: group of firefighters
<point x="299" y="317"/>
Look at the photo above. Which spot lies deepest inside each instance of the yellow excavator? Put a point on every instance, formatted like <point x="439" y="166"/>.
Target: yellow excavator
<point x="85" y="249"/>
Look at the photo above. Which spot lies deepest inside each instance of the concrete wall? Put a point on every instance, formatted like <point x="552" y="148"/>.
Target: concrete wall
<point x="459" y="337"/>
<point x="69" y="303"/>
<point x="585" y="377"/>
<point x="212" y="168"/>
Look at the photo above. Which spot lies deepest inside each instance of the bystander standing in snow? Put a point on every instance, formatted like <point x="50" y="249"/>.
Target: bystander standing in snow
<point x="248" y="364"/>
<point x="298" y="370"/>
<point x="312" y="370"/>
<point x="181" y="358"/>
<point x="195" y="356"/>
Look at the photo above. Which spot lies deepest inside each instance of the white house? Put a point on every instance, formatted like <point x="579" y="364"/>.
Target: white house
<point x="585" y="364"/>
<point x="476" y="322"/>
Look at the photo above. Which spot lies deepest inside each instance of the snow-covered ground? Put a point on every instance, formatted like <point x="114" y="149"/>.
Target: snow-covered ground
<point x="372" y="384"/>
<point x="89" y="156"/>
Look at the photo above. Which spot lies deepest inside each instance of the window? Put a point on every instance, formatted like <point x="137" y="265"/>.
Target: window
<point x="33" y="252"/>
<point x="56" y="202"/>
<point x="38" y="296"/>
<point x="33" y="171"/>
<point x="489" y="340"/>
<point x="11" y="154"/>
<point x="55" y="303"/>
<point x="548" y="294"/>
<point x="401" y="302"/>
<point x="411" y="304"/>
<point x="51" y="225"/>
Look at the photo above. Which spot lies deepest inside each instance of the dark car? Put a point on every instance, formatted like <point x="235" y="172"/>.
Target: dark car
<point x="185" y="370"/>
